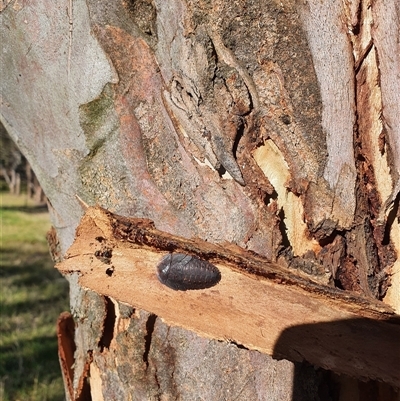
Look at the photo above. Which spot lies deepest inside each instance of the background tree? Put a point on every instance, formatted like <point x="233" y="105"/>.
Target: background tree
<point x="10" y="160"/>
<point x="16" y="171"/>
<point x="272" y="125"/>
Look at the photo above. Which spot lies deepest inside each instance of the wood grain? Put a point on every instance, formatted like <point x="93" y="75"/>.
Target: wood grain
<point x="257" y="304"/>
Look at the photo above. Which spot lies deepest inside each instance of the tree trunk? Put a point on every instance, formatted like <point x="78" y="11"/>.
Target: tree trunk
<point x="270" y="125"/>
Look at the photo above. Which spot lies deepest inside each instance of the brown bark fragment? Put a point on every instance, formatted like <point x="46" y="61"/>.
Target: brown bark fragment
<point x="66" y="351"/>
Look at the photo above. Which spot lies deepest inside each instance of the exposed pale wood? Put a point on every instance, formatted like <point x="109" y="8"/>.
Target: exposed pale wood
<point x="273" y="165"/>
<point x="377" y="103"/>
<point x="258" y="304"/>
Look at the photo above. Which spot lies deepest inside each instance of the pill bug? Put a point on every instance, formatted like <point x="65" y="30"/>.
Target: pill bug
<point x="184" y="272"/>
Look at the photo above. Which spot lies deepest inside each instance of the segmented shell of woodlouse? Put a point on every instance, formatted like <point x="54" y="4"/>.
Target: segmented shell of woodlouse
<point x="184" y="272"/>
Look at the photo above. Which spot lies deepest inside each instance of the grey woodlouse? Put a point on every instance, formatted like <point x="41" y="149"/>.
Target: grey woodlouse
<point x="184" y="272"/>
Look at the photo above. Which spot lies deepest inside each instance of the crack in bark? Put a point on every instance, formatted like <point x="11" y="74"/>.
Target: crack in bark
<point x="109" y="323"/>
<point x="363" y="56"/>
<point x="148" y="337"/>
<point x="390" y="220"/>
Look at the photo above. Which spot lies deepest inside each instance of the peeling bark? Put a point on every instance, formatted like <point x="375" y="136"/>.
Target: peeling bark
<point x="253" y="303"/>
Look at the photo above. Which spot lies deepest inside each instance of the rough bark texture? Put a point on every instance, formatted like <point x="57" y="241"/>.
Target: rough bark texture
<point x="272" y="125"/>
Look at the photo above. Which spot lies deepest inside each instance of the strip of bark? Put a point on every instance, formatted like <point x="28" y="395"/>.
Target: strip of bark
<point x="258" y="304"/>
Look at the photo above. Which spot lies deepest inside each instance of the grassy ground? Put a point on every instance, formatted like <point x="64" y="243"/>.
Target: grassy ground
<point x="32" y="296"/>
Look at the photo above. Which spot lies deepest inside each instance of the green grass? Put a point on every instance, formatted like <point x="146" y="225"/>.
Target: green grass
<point x="32" y="296"/>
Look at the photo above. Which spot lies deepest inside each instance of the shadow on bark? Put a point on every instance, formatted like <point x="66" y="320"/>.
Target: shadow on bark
<point x="298" y="344"/>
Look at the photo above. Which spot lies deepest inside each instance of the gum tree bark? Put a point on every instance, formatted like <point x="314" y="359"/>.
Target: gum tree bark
<point x="271" y="125"/>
